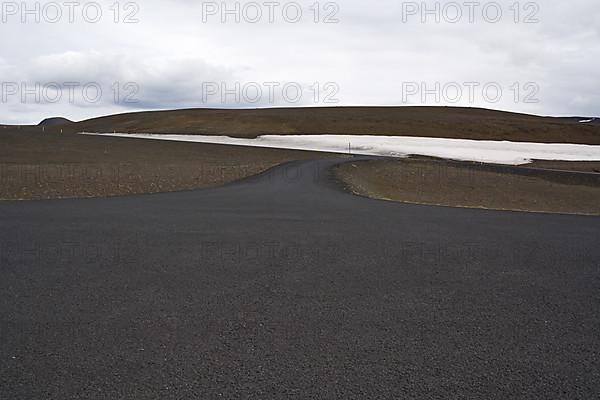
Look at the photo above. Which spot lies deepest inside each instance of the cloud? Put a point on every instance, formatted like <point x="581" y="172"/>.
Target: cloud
<point x="371" y="56"/>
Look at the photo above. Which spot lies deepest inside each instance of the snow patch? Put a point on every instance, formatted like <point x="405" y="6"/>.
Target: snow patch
<point x="498" y="152"/>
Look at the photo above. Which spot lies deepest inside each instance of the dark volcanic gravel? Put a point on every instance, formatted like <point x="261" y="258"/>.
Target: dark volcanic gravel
<point x="293" y="288"/>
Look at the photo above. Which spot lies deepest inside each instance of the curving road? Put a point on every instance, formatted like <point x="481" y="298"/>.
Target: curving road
<point x="286" y="286"/>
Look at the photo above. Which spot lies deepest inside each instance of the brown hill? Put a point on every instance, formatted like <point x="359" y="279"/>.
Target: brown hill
<point x="446" y="122"/>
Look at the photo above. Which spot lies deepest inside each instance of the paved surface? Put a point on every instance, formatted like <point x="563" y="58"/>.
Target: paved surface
<point x="277" y="288"/>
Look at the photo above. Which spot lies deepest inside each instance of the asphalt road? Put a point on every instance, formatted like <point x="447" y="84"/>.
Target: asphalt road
<point x="285" y="286"/>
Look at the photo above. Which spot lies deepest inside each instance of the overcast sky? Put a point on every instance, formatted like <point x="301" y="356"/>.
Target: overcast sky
<point x="540" y="58"/>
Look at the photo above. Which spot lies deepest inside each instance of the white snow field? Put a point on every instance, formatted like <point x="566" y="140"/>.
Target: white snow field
<point x="509" y="153"/>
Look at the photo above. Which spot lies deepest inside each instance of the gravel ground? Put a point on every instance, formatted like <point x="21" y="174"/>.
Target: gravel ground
<point x="472" y="185"/>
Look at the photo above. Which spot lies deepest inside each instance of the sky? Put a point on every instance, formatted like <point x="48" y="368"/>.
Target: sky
<point x="81" y="60"/>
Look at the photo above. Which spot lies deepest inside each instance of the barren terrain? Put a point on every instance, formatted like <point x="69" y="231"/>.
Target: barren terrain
<point x="535" y="187"/>
<point x="443" y="122"/>
<point x="51" y="161"/>
<point x="36" y="166"/>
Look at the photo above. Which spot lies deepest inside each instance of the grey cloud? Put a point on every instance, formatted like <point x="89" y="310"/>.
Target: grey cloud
<point x="170" y="53"/>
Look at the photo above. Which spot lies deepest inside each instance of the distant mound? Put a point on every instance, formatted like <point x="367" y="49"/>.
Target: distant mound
<point x="55" y="121"/>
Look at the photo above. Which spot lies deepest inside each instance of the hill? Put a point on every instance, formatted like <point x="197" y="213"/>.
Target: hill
<point x="55" y="121"/>
<point x="445" y="122"/>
